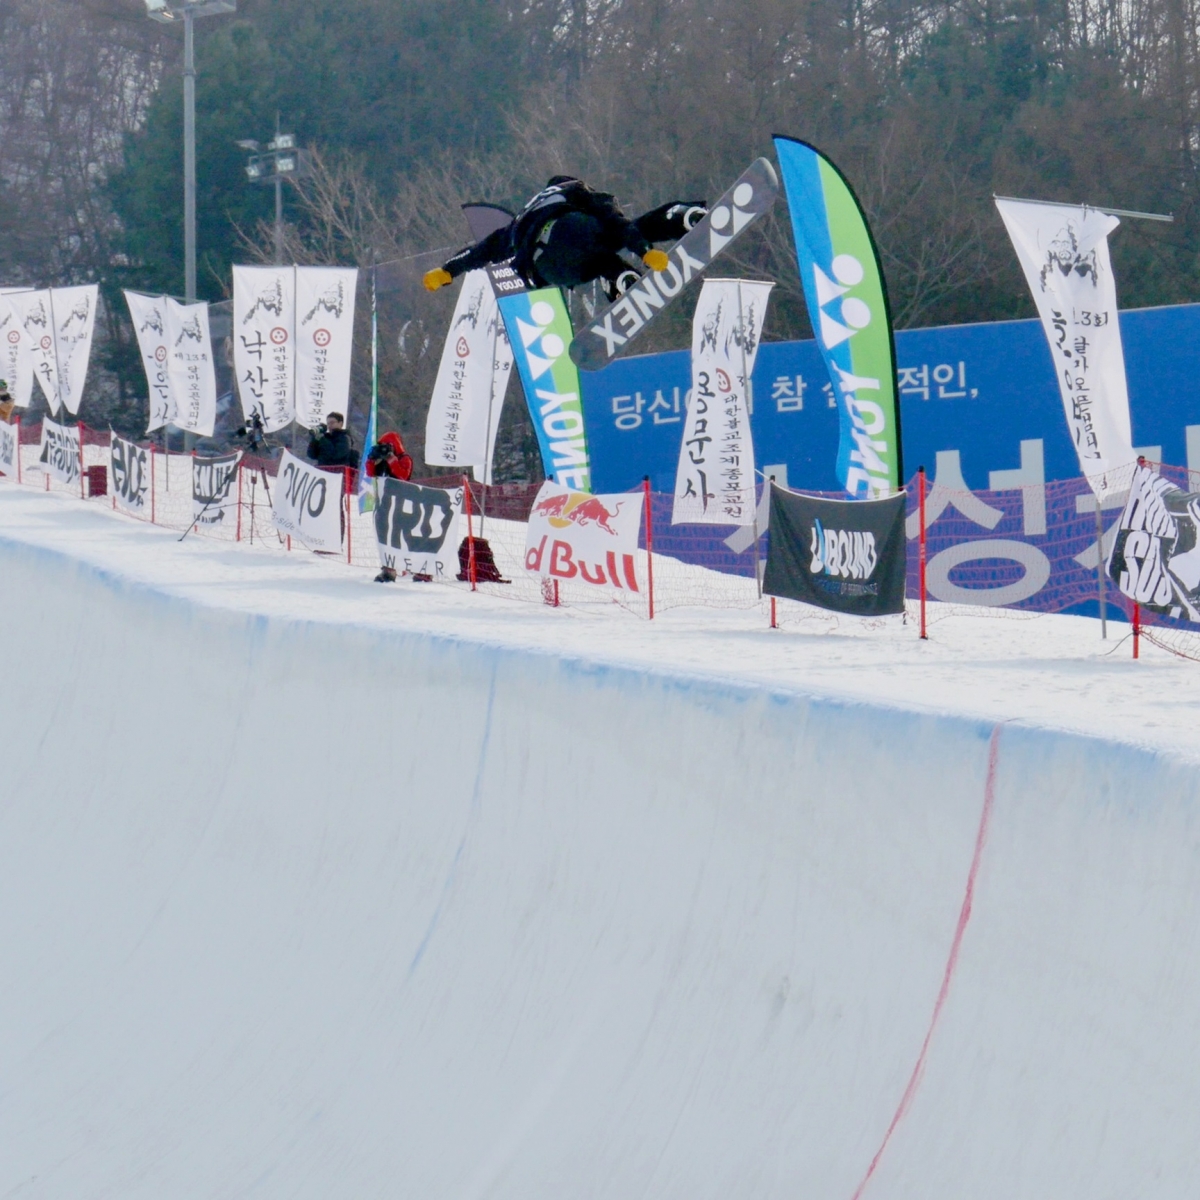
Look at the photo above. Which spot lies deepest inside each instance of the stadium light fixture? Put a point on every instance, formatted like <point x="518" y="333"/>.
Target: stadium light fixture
<point x="279" y="159"/>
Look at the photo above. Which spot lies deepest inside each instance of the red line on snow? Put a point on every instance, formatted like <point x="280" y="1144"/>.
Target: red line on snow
<point x="964" y="916"/>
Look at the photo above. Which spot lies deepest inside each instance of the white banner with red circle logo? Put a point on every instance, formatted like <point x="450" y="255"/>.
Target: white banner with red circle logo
<point x="324" y="341"/>
<point x="149" y="317"/>
<point x="264" y="343"/>
<point x="58" y="325"/>
<point x="714" y="481"/>
<point x="584" y="537"/>
<point x="464" y="410"/>
<point x="16" y="355"/>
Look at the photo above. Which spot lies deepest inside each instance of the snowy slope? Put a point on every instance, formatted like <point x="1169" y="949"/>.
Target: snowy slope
<point x="313" y="888"/>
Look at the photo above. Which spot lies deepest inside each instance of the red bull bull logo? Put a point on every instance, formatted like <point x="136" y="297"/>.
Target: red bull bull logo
<point x="577" y="508"/>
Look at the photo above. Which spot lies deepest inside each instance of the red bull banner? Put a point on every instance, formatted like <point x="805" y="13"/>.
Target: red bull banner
<point x="584" y="537"/>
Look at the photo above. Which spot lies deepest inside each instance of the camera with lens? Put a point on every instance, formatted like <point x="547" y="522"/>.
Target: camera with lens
<point x="253" y="432"/>
<point x="379" y="453"/>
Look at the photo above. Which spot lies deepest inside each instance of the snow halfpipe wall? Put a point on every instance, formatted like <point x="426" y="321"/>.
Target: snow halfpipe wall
<point x="296" y="910"/>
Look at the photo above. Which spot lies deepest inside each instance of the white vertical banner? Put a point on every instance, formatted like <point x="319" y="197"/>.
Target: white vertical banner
<point x="714" y="481"/>
<point x="190" y="373"/>
<point x="324" y="341"/>
<point x="74" y="311"/>
<point x="264" y="343"/>
<point x="16" y="353"/>
<point x="149" y="317"/>
<point x="60" y="451"/>
<point x="1064" y="254"/>
<point x="468" y="394"/>
<point x="9" y="449"/>
<point x="34" y="312"/>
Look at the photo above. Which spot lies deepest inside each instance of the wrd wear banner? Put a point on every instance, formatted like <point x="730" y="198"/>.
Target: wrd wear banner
<point x="149" y="317"/>
<point x="848" y="307"/>
<point x="324" y="341"/>
<point x="264" y="327"/>
<point x="416" y="528"/>
<point x="1064" y="254"/>
<point x="129" y="472"/>
<point x="845" y="555"/>
<point x="214" y="497"/>
<point x="714" y="481"/>
<point x="587" y="538"/>
<point x="1155" y="557"/>
<point x="60" y="451"/>
<point x="539" y="329"/>
<point x="464" y="411"/>
<point x="307" y="503"/>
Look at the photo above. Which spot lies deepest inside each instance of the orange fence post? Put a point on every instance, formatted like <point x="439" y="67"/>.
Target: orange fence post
<point x="470" y="533"/>
<point x="649" y="546"/>
<point x="82" y="471"/>
<point x="1137" y="627"/>
<point x="152" y="485"/>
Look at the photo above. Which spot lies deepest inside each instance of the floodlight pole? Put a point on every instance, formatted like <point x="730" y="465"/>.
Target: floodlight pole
<point x="189" y="156"/>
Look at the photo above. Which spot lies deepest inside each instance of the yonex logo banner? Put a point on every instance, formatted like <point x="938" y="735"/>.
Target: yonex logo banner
<point x="539" y="329"/>
<point x="844" y="555"/>
<point x="847" y="302"/>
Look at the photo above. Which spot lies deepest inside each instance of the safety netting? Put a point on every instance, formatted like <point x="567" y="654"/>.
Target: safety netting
<point x="1018" y="553"/>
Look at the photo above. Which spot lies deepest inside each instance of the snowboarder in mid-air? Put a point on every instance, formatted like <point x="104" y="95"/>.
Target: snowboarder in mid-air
<point x="568" y="235"/>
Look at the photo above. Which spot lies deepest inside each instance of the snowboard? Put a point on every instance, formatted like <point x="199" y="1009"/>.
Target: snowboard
<point x="614" y="329"/>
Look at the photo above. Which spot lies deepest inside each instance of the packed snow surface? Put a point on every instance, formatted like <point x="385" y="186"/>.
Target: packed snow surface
<point x="311" y="887"/>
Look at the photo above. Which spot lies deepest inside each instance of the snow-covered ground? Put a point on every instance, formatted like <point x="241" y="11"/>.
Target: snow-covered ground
<point x="311" y="887"/>
<point x="1051" y="671"/>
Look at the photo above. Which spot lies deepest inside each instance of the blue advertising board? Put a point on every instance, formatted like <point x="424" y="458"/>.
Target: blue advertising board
<point x="973" y="393"/>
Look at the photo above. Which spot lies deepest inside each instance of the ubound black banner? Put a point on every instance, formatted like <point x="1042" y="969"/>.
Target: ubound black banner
<point x="846" y="555"/>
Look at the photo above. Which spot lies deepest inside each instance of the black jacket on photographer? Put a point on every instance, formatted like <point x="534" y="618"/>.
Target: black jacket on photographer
<point x="332" y="449"/>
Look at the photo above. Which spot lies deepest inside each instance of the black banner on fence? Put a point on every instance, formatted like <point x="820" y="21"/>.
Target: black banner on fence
<point x="847" y="555"/>
<point x="129" y="470"/>
<point x="415" y="527"/>
<point x="1155" y="557"/>
<point x="212" y="488"/>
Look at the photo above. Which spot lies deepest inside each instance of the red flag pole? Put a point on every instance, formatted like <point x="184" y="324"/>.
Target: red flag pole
<point x="922" y="553"/>
<point x="1137" y="627"/>
<point x="82" y="492"/>
<point x="470" y="533"/>
<point x="649" y="546"/>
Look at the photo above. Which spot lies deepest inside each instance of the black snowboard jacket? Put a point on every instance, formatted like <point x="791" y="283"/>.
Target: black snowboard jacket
<point x="332" y="449"/>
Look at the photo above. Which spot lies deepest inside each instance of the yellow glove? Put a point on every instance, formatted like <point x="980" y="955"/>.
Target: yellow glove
<point x="656" y="260"/>
<point x="436" y="278"/>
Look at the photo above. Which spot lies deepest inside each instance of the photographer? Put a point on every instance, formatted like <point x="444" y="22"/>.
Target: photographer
<point x="331" y="446"/>
<point x="388" y="457"/>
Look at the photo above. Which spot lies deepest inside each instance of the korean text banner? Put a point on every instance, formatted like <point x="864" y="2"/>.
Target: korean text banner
<point x="464" y="411"/>
<point x="324" y="341"/>
<point x="539" y="328"/>
<point x="714" y="481"/>
<point x="1064" y="254"/>
<point x="584" y="537"/>
<point x="129" y="474"/>
<point x="843" y="555"/>
<point x="9" y="449"/>
<point x="307" y="503"/>
<point x="416" y="528"/>
<point x="214" y="495"/>
<point x="60" y="451"/>
<point x="847" y="303"/>
<point x="190" y="371"/>
<point x="33" y="309"/>
<point x="264" y="318"/>
<point x="149" y="317"/>
<point x="16" y="354"/>
<point x="74" y="314"/>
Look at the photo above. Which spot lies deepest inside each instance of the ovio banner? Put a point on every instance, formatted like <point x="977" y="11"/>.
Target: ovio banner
<point x="416" y="528"/>
<point x="307" y="504"/>
<point x="586" y="538"/>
